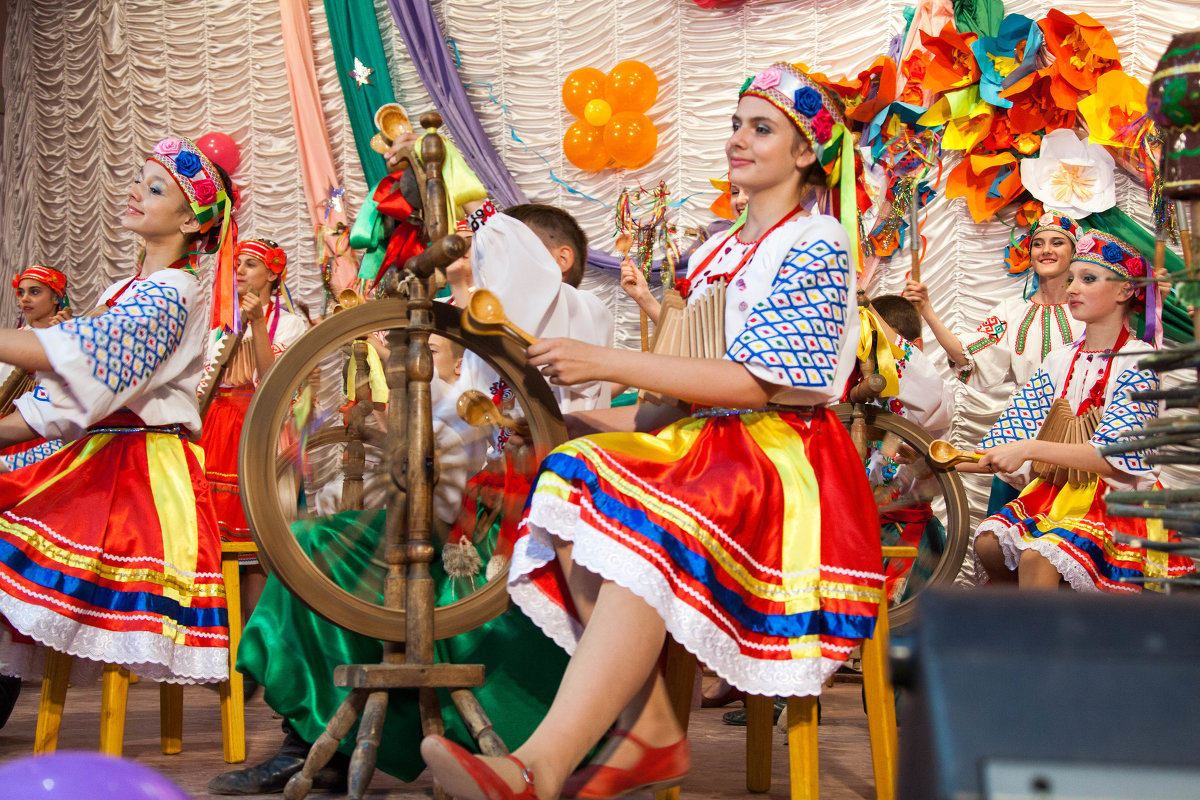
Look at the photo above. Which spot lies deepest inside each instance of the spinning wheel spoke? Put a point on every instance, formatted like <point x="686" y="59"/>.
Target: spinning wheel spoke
<point x="919" y="505"/>
<point x="313" y="466"/>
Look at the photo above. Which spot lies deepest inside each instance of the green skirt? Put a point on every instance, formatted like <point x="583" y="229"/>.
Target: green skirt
<point x="292" y="652"/>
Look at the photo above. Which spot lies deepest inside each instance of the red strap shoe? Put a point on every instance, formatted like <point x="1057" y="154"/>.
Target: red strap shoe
<point x="466" y="776"/>
<point x="658" y="768"/>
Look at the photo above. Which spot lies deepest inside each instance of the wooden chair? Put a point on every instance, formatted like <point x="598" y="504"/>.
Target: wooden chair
<point x="115" y="689"/>
<point x="802" y="717"/>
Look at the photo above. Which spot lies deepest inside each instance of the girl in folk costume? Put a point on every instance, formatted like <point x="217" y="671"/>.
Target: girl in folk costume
<point x="42" y="296"/>
<point x="1058" y="529"/>
<point x="109" y="549"/>
<point x="261" y="271"/>
<point x="716" y="528"/>
<point x="1018" y="334"/>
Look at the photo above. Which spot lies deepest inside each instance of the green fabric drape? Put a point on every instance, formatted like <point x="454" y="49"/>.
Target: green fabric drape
<point x="1177" y="325"/>
<point x="979" y="16"/>
<point x="354" y="33"/>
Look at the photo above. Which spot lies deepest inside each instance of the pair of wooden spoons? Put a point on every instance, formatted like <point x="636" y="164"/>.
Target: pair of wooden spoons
<point x="485" y="315"/>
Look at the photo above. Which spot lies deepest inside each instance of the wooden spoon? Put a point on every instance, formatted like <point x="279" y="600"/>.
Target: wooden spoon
<point x="477" y="410"/>
<point x="945" y="454"/>
<point x="485" y="309"/>
<point x="624" y="244"/>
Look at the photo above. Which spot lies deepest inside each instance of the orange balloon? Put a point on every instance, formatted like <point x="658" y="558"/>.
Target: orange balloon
<point x="630" y="139"/>
<point x="631" y="86"/>
<point x="583" y="145"/>
<point x="581" y="86"/>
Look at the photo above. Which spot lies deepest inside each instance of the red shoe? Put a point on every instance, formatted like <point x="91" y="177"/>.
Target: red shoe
<point x="465" y="776"/>
<point x="658" y="768"/>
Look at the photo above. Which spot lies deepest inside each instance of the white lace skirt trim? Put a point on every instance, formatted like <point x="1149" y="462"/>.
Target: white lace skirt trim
<point x="152" y="656"/>
<point x="632" y="567"/>
<point x="1012" y="542"/>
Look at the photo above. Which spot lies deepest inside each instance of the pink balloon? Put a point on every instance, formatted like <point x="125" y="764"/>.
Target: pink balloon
<point x="221" y="150"/>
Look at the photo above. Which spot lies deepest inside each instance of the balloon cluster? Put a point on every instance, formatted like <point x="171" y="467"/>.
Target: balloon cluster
<point x="612" y="128"/>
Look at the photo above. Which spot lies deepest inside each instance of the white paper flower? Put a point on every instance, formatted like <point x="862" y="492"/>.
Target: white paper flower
<point x="1069" y="175"/>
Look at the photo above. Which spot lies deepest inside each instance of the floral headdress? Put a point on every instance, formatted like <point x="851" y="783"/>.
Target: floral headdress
<point x="817" y="113"/>
<point x="1105" y="250"/>
<point x="212" y="202"/>
<point x="52" y="278"/>
<point x="272" y="255"/>
<point x="811" y="108"/>
<point x="1056" y="221"/>
<point x="199" y="179"/>
<point x="267" y="251"/>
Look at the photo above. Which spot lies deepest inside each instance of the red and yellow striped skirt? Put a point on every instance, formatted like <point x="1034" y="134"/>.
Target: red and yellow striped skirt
<point x="754" y="536"/>
<point x="109" y="552"/>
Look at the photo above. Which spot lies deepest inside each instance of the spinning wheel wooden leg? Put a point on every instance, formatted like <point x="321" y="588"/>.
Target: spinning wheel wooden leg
<point x="326" y="745"/>
<point x="477" y="722"/>
<point x="370" y="731"/>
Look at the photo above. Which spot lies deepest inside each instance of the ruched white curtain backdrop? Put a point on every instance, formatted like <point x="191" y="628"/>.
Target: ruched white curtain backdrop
<point x="91" y="84"/>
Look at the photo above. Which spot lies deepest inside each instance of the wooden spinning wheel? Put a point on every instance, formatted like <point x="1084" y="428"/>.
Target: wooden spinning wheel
<point x="269" y="414"/>
<point x="879" y="433"/>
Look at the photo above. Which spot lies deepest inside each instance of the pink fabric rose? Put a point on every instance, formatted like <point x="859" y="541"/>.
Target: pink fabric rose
<point x="206" y="191"/>
<point x="1086" y="244"/>
<point x="822" y="125"/>
<point x="767" y="79"/>
<point x="1047" y="218"/>
<point x="167" y="147"/>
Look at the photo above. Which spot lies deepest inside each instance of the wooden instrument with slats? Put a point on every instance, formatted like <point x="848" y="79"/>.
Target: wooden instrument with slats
<point x="1062" y="425"/>
<point x="696" y="330"/>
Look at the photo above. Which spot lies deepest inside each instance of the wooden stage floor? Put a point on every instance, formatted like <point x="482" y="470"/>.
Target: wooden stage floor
<point x="717" y="749"/>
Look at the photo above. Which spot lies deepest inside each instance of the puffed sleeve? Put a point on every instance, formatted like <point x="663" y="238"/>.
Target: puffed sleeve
<point x="102" y="363"/>
<point x="1122" y="415"/>
<point x="1026" y="412"/>
<point x="987" y="351"/>
<point x="796" y="336"/>
<point x="926" y="398"/>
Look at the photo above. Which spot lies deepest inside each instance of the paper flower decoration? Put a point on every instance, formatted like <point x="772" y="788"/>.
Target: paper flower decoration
<point x="966" y="116"/>
<point x="1030" y="212"/>
<point x="987" y="182"/>
<point x="865" y="95"/>
<point x="1083" y="49"/>
<point x="949" y="62"/>
<point x="1041" y="101"/>
<point x="1115" y="112"/>
<point x="1071" y="176"/>
<point x="1016" y="256"/>
<point x="1006" y="57"/>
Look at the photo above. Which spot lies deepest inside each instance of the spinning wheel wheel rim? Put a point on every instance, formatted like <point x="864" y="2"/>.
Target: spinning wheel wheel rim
<point x="279" y="550"/>
<point x="958" y="517"/>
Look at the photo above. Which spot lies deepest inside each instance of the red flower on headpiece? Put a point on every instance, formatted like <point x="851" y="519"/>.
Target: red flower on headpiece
<point x="822" y="125"/>
<point x="206" y="191"/>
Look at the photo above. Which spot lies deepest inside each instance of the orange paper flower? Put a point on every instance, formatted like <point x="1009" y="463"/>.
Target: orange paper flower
<point x="865" y="95"/>
<point x="949" y="62"/>
<point x="1030" y="212"/>
<point x="1083" y="48"/>
<point x="987" y="182"/>
<point x="1041" y="101"/>
<point x="1114" y="111"/>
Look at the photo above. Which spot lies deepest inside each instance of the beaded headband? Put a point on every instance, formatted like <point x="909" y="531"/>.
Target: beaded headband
<point x="808" y="105"/>
<point x="198" y="178"/>
<point x="55" y="280"/>
<point x="266" y="251"/>
<point x="1056" y="221"/>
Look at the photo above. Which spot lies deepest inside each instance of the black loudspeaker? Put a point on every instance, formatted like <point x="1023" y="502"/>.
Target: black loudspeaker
<point x="1049" y="695"/>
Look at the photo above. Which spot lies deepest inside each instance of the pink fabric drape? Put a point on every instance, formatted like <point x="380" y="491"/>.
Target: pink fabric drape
<point x="312" y="140"/>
